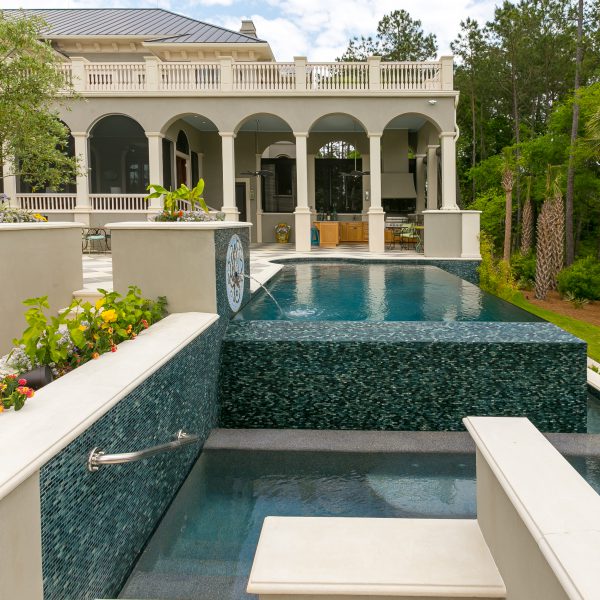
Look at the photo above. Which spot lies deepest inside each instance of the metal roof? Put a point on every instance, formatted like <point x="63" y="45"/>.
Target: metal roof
<point x="155" y="24"/>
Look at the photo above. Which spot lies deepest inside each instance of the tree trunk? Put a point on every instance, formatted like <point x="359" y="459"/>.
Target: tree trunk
<point x="570" y="254"/>
<point x="508" y="225"/>
<point x="473" y="137"/>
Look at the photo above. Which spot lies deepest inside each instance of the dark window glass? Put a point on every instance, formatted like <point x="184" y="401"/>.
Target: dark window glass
<point x="335" y="190"/>
<point x="167" y="165"/>
<point x="279" y="189"/>
<point x="195" y="171"/>
<point x="182" y="144"/>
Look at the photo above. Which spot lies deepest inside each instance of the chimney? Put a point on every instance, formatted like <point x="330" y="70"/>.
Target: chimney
<point x="248" y="28"/>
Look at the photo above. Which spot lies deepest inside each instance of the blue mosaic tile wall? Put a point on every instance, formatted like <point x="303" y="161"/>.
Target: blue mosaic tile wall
<point x="400" y="375"/>
<point x="94" y="525"/>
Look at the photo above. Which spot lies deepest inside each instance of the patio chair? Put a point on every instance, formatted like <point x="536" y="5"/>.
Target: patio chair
<point x="410" y="236"/>
<point x="95" y="235"/>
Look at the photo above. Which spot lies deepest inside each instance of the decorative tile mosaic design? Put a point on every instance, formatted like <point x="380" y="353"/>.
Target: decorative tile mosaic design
<point x="95" y="524"/>
<point x="400" y="376"/>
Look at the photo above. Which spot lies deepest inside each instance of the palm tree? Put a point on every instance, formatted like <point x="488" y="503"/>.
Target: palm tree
<point x="507" y="186"/>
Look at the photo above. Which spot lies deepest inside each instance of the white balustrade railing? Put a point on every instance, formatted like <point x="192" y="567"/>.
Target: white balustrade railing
<point x="227" y="77"/>
<point x="337" y="76"/>
<point x="119" y="203"/>
<point x="67" y="73"/>
<point x="264" y="76"/>
<point x="47" y="202"/>
<point x="188" y="76"/>
<point x="113" y="77"/>
<point x="410" y="76"/>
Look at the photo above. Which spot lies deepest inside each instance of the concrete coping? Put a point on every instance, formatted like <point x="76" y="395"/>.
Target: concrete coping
<point x="61" y="411"/>
<point x="451" y="211"/>
<point x="185" y="226"/>
<point x="559" y="508"/>
<point x="43" y="225"/>
<point x="377" y="558"/>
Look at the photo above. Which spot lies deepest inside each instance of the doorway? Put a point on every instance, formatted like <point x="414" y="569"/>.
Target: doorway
<point x="240" y="199"/>
<point x="181" y="170"/>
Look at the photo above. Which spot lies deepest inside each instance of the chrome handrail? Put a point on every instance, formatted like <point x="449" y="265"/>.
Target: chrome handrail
<point x="98" y="457"/>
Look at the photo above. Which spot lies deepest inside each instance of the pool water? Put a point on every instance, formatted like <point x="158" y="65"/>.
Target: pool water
<point x="376" y="292"/>
<point x="204" y="547"/>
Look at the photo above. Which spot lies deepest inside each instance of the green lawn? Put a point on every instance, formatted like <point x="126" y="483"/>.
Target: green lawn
<point x="581" y="329"/>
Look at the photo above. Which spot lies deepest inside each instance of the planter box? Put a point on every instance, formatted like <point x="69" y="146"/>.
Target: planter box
<point x="38" y="259"/>
<point x="186" y="262"/>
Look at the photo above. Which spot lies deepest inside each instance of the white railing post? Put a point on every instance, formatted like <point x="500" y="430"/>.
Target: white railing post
<point x="152" y="77"/>
<point x="300" y="67"/>
<point x="374" y="63"/>
<point x="447" y="72"/>
<point x="82" y="198"/>
<point x="226" y="74"/>
<point x="78" y="73"/>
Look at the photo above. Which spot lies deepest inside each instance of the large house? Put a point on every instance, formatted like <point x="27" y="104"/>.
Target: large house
<point x="168" y="99"/>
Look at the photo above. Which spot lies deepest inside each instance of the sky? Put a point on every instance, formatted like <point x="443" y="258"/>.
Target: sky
<point x="317" y="29"/>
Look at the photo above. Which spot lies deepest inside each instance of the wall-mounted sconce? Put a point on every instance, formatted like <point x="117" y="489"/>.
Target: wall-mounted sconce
<point x="432" y="102"/>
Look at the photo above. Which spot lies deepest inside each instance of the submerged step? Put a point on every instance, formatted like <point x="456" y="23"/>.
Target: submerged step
<point x="376" y="558"/>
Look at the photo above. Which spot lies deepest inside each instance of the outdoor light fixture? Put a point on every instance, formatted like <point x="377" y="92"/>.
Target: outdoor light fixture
<point x="432" y="101"/>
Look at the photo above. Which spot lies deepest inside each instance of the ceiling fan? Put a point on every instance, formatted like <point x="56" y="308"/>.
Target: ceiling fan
<point x="259" y="172"/>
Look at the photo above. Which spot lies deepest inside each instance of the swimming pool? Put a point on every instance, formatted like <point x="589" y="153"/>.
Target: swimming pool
<point x="204" y="547"/>
<point x="376" y="292"/>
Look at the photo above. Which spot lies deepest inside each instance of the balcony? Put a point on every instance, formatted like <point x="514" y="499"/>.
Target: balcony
<point x="227" y="77"/>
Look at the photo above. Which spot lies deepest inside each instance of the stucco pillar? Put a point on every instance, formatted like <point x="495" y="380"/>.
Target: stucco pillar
<point x="302" y="212"/>
<point x="376" y="214"/>
<point x="432" y="177"/>
<point x="82" y="199"/>
<point x="366" y="184"/>
<point x="228" y="147"/>
<point x="10" y="182"/>
<point x="155" y="166"/>
<point x="259" y="207"/>
<point x="448" y="142"/>
<point x="420" y="176"/>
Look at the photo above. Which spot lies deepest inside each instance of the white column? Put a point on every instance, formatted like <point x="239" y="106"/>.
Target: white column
<point x="9" y="180"/>
<point x="82" y="200"/>
<point x="302" y="212"/>
<point x="432" y="177"/>
<point x="448" y="141"/>
<point x="228" y="147"/>
<point x="366" y="184"/>
<point x="376" y="214"/>
<point x="420" y="176"/>
<point x="155" y="166"/>
<point x="259" y="208"/>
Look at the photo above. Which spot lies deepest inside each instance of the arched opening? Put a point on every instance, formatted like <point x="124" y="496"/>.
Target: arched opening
<point x="118" y="156"/>
<point x="338" y="179"/>
<point x="24" y="187"/>
<point x="410" y="168"/>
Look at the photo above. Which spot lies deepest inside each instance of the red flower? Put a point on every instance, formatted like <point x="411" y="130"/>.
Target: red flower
<point x="30" y="393"/>
<point x="22" y="382"/>
<point x="113" y="348"/>
<point x="181" y="213"/>
<point x="11" y="376"/>
<point x="145" y="323"/>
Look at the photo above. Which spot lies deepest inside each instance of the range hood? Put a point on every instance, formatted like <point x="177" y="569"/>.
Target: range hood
<point x="398" y="185"/>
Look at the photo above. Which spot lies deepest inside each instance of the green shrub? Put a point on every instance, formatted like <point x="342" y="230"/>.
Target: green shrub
<point x="494" y="275"/>
<point x="581" y="279"/>
<point x="522" y="267"/>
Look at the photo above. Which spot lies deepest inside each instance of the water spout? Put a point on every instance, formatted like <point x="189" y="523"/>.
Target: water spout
<point x="281" y="311"/>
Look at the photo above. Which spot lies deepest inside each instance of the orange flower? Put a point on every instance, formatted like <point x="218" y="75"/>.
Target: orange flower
<point x="95" y="355"/>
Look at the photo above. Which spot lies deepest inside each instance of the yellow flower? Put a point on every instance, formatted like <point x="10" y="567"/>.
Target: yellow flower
<point x="39" y="217"/>
<point x="1" y="408"/>
<point x="82" y="328"/>
<point x="100" y="303"/>
<point x="109" y="316"/>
